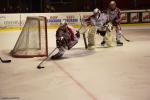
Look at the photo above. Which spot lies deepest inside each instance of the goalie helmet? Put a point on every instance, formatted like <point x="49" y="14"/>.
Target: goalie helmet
<point x="96" y="11"/>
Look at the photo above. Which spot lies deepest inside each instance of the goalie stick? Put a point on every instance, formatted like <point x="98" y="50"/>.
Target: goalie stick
<point x="39" y="66"/>
<point x="84" y="36"/>
<point x="5" y="61"/>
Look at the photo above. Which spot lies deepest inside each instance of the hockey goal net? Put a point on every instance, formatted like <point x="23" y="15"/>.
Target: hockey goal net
<point x="32" y="41"/>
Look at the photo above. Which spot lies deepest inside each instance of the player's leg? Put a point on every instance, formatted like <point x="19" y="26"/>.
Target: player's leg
<point x="59" y="54"/>
<point x="118" y="35"/>
<point x="109" y="39"/>
<point x="61" y="44"/>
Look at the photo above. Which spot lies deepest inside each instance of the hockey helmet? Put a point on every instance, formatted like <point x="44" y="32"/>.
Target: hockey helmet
<point x="96" y="11"/>
<point x="112" y="4"/>
<point x="63" y="23"/>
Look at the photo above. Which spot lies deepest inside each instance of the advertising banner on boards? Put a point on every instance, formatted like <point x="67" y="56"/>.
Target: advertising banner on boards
<point x="146" y="17"/>
<point x="134" y="17"/>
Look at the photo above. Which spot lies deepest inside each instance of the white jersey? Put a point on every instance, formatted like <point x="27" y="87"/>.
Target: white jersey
<point x="100" y="20"/>
<point x="114" y="14"/>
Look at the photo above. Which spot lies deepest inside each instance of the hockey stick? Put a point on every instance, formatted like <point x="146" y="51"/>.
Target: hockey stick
<point x="125" y="38"/>
<point x="39" y="66"/>
<point x="84" y="36"/>
<point x="5" y="61"/>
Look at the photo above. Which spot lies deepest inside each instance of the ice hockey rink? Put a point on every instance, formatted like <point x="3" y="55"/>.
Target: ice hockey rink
<point x="118" y="73"/>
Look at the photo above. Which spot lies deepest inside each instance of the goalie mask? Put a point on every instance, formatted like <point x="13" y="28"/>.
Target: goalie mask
<point x="96" y="11"/>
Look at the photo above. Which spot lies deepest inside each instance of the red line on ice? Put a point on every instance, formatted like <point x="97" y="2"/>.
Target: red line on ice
<point x="77" y="82"/>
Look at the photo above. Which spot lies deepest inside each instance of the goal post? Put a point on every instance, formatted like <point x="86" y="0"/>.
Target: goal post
<point x="32" y="41"/>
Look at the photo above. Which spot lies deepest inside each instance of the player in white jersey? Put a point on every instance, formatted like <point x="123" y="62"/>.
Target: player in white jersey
<point x="115" y="17"/>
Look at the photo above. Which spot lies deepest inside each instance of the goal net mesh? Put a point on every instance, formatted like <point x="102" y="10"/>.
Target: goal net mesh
<point x="32" y="41"/>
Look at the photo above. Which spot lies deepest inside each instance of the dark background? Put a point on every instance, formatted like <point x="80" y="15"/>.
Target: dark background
<point x="28" y="6"/>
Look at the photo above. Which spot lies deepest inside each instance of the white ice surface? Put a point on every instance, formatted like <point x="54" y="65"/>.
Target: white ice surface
<point x="119" y="73"/>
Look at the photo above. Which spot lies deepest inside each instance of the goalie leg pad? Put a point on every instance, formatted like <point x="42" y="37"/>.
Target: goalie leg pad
<point x="91" y="36"/>
<point x="83" y="29"/>
<point x="118" y="32"/>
